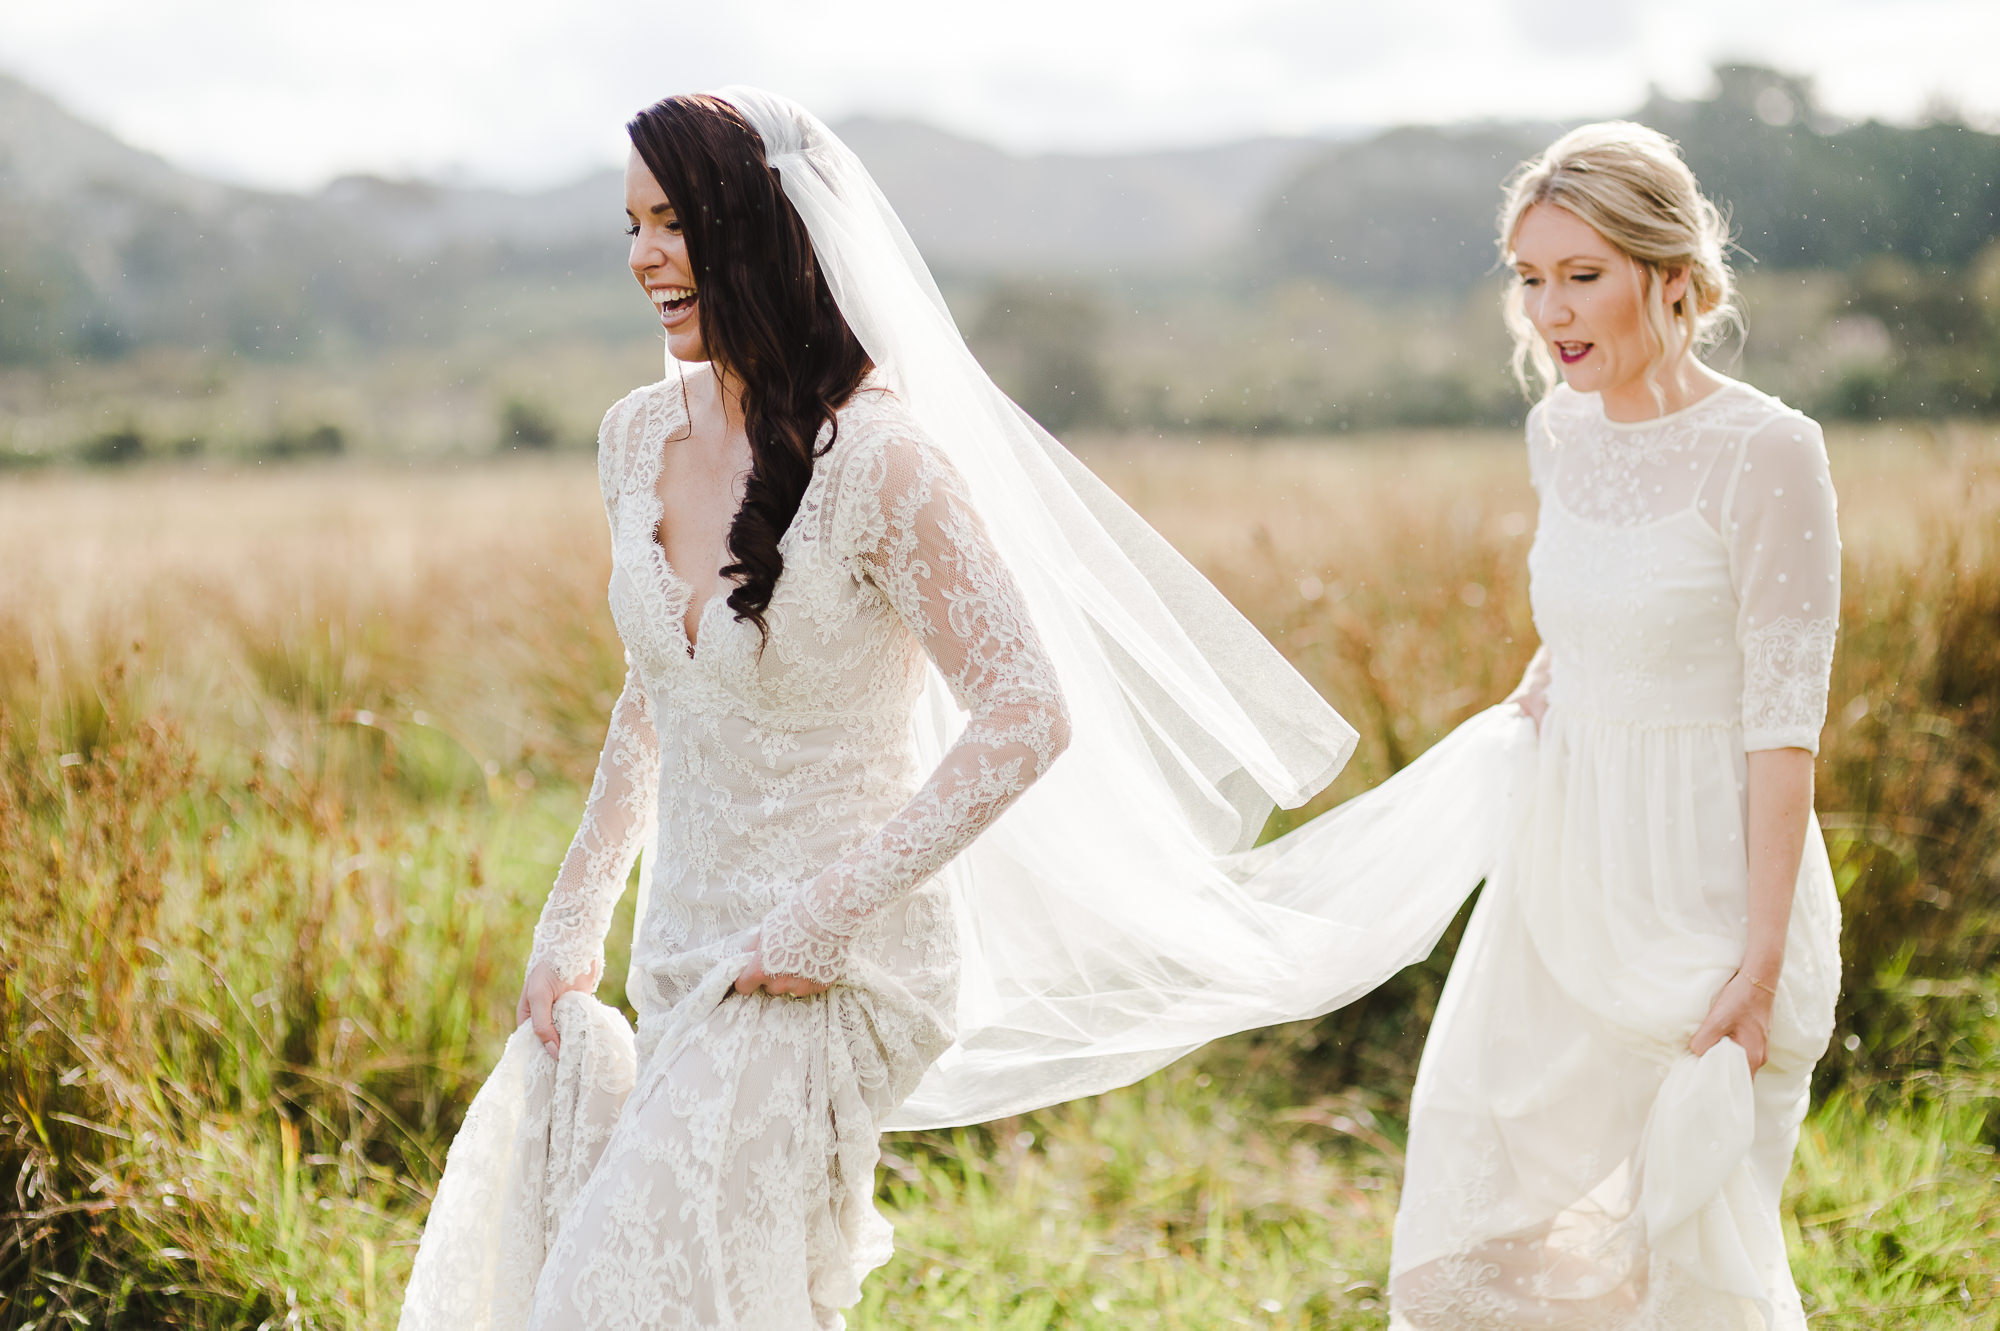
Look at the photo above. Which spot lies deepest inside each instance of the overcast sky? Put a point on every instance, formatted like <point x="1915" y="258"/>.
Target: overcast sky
<point x="531" y="92"/>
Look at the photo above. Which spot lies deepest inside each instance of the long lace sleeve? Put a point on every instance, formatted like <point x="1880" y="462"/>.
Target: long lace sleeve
<point x="617" y="819"/>
<point x="914" y="535"/>
<point x="1785" y="557"/>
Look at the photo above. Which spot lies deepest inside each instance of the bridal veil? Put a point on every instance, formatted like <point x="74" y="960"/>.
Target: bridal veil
<point x="1116" y="918"/>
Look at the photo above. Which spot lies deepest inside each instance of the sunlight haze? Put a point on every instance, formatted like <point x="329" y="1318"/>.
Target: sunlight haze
<point x="286" y="95"/>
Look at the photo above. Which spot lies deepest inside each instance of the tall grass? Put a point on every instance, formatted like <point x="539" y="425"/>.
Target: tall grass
<point x="287" y="761"/>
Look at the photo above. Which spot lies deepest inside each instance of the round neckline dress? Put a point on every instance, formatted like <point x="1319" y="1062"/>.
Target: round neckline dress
<point x="1571" y="1164"/>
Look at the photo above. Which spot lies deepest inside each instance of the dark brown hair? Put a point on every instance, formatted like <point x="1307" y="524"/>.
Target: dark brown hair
<point x="767" y="317"/>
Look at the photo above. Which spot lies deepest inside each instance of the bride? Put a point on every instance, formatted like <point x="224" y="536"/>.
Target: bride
<point x="866" y="605"/>
<point x="1613" y="1086"/>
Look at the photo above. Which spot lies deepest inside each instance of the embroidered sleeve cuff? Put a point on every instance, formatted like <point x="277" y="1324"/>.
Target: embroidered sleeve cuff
<point x="792" y="945"/>
<point x="565" y="951"/>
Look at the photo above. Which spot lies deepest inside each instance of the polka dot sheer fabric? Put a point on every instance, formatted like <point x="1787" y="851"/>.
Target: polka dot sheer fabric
<point x="1571" y="1164"/>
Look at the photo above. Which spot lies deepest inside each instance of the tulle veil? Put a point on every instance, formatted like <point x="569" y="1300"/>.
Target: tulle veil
<point x="1116" y="918"/>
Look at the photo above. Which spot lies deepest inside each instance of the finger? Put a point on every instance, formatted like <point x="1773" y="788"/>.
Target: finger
<point x="521" y="1007"/>
<point x="752" y="978"/>
<point x="541" y="1011"/>
<point x="1705" y="1039"/>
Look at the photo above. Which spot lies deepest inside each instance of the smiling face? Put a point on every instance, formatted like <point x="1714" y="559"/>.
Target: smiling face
<point x="1587" y="300"/>
<point x="659" y="260"/>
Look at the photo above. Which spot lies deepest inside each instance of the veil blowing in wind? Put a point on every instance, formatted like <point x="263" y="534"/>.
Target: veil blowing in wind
<point x="828" y="944"/>
<point x="1110" y="922"/>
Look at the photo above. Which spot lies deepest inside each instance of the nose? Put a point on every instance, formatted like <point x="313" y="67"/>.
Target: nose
<point x="646" y="253"/>
<point x="1552" y="310"/>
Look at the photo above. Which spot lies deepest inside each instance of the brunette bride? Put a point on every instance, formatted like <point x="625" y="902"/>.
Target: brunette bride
<point x="866" y="605"/>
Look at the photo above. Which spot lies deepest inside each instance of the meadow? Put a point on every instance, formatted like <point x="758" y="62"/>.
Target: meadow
<point x="288" y="756"/>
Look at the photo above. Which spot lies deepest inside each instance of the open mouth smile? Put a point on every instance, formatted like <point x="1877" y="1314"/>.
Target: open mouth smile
<point x="1572" y="352"/>
<point x="676" y="303"/>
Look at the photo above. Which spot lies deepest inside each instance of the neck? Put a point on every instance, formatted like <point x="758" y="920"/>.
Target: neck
<point x="1681" y="382"/>
<point x="717" y="394"/>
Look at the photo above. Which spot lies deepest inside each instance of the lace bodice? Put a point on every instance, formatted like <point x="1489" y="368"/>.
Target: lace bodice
<point x="777" y="775"/>
<point x="1687" y="569"/>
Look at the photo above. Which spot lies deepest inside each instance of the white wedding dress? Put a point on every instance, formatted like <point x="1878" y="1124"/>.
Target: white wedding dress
<point x="1571" y="1164"/>
<point x="721" y="1173"/>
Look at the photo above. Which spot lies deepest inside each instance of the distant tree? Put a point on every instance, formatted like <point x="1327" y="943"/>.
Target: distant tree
<point x="1413" y="209"/>
<point x="113" y="448"/>
<point x="320" y="441"/>
<point x="525" y="424"/>
<point x="1408" y="210"/>
<point x="1042" y="344"/>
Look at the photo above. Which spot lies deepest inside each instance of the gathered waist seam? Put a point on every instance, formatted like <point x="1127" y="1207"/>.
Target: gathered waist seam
<point x="1572" y="713"/>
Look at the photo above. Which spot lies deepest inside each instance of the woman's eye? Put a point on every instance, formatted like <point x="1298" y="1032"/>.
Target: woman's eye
<point x="631" y="228"/>
<point x="674" y="227"/>
<point x="1531" y="281"/>
<point x="1587" y="277"/>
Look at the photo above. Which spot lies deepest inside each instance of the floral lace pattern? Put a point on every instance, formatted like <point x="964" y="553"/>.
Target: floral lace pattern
<point x="773" y="785"/>
<point x="1787" y="665"/>
<point x="617" y="821"/>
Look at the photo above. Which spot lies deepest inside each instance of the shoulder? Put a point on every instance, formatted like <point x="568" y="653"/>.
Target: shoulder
<point x="628" y="425"/>
<point x="1780" y="470"/>
<point x="1545" y="427"/>
<point x="1777" y="436"/>
<point x="879" y="445"/>
<point x="874" y="417"/>
<point x="1558" y="415"/>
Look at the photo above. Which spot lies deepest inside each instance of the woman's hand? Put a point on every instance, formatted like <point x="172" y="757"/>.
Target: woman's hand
<point x="755" y="977"/>
<point x="1742" y="1012"/>
<point x="538" y="1001"/>
<point x="1531" y="695"/>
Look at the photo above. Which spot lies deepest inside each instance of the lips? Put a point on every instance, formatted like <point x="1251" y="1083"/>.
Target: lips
<point x="1572" y="352"/>
<point x="676" y="303"/>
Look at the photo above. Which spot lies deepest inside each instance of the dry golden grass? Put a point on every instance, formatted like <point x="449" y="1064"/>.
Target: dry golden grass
<point x="287" y="757"/>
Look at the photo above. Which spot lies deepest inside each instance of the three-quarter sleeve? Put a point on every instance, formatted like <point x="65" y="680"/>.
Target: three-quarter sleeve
<point x="618" y="816"/>
<point x="1784" y="552"/>
<point x="911" y="531"/>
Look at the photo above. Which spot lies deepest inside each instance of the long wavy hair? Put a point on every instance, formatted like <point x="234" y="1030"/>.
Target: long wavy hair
<point x="768" y="318"/>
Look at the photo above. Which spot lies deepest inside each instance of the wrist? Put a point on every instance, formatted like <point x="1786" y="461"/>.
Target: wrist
<point x="1763" y="973"/>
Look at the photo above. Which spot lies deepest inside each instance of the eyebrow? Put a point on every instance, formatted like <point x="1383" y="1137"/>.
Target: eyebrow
<point x="1573" y="258"/>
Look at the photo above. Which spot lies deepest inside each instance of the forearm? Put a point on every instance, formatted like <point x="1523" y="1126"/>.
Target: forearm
<point x="1780" y="799"/>
<point x="999" y="756"/>
<point x="617" y="820"/>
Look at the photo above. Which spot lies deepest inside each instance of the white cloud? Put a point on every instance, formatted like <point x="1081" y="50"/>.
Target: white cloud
<point x="287" y="93"/>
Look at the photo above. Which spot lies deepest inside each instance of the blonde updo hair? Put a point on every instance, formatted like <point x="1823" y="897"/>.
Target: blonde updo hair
<point x="1631" y="186"/>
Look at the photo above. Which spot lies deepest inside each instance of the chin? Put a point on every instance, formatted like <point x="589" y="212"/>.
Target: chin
<point x="689" y="350"/>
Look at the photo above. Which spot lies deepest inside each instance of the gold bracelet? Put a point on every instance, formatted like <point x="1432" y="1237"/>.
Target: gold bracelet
<point x="1761" y="985"/>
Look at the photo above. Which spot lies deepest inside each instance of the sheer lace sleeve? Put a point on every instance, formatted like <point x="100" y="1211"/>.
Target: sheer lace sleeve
<point x="1784" y="551"/>
<point x="913" y="534"/>
<point x="617" y="819"/>
<point x="618" y="816"/>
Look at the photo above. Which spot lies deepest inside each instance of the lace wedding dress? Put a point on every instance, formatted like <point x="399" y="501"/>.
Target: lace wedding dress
<point x="719" y="1172"/>
<point x="1571" y="1164"/>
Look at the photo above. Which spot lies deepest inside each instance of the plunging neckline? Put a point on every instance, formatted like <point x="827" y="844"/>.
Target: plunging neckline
<point x="678" y="585"/>
<point x="690" y="638"/>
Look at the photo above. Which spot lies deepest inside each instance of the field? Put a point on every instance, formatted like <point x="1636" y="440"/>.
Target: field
<point x="288" y="756"/>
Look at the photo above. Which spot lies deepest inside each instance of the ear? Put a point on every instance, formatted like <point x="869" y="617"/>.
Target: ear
<point x="1674" y="285"/>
